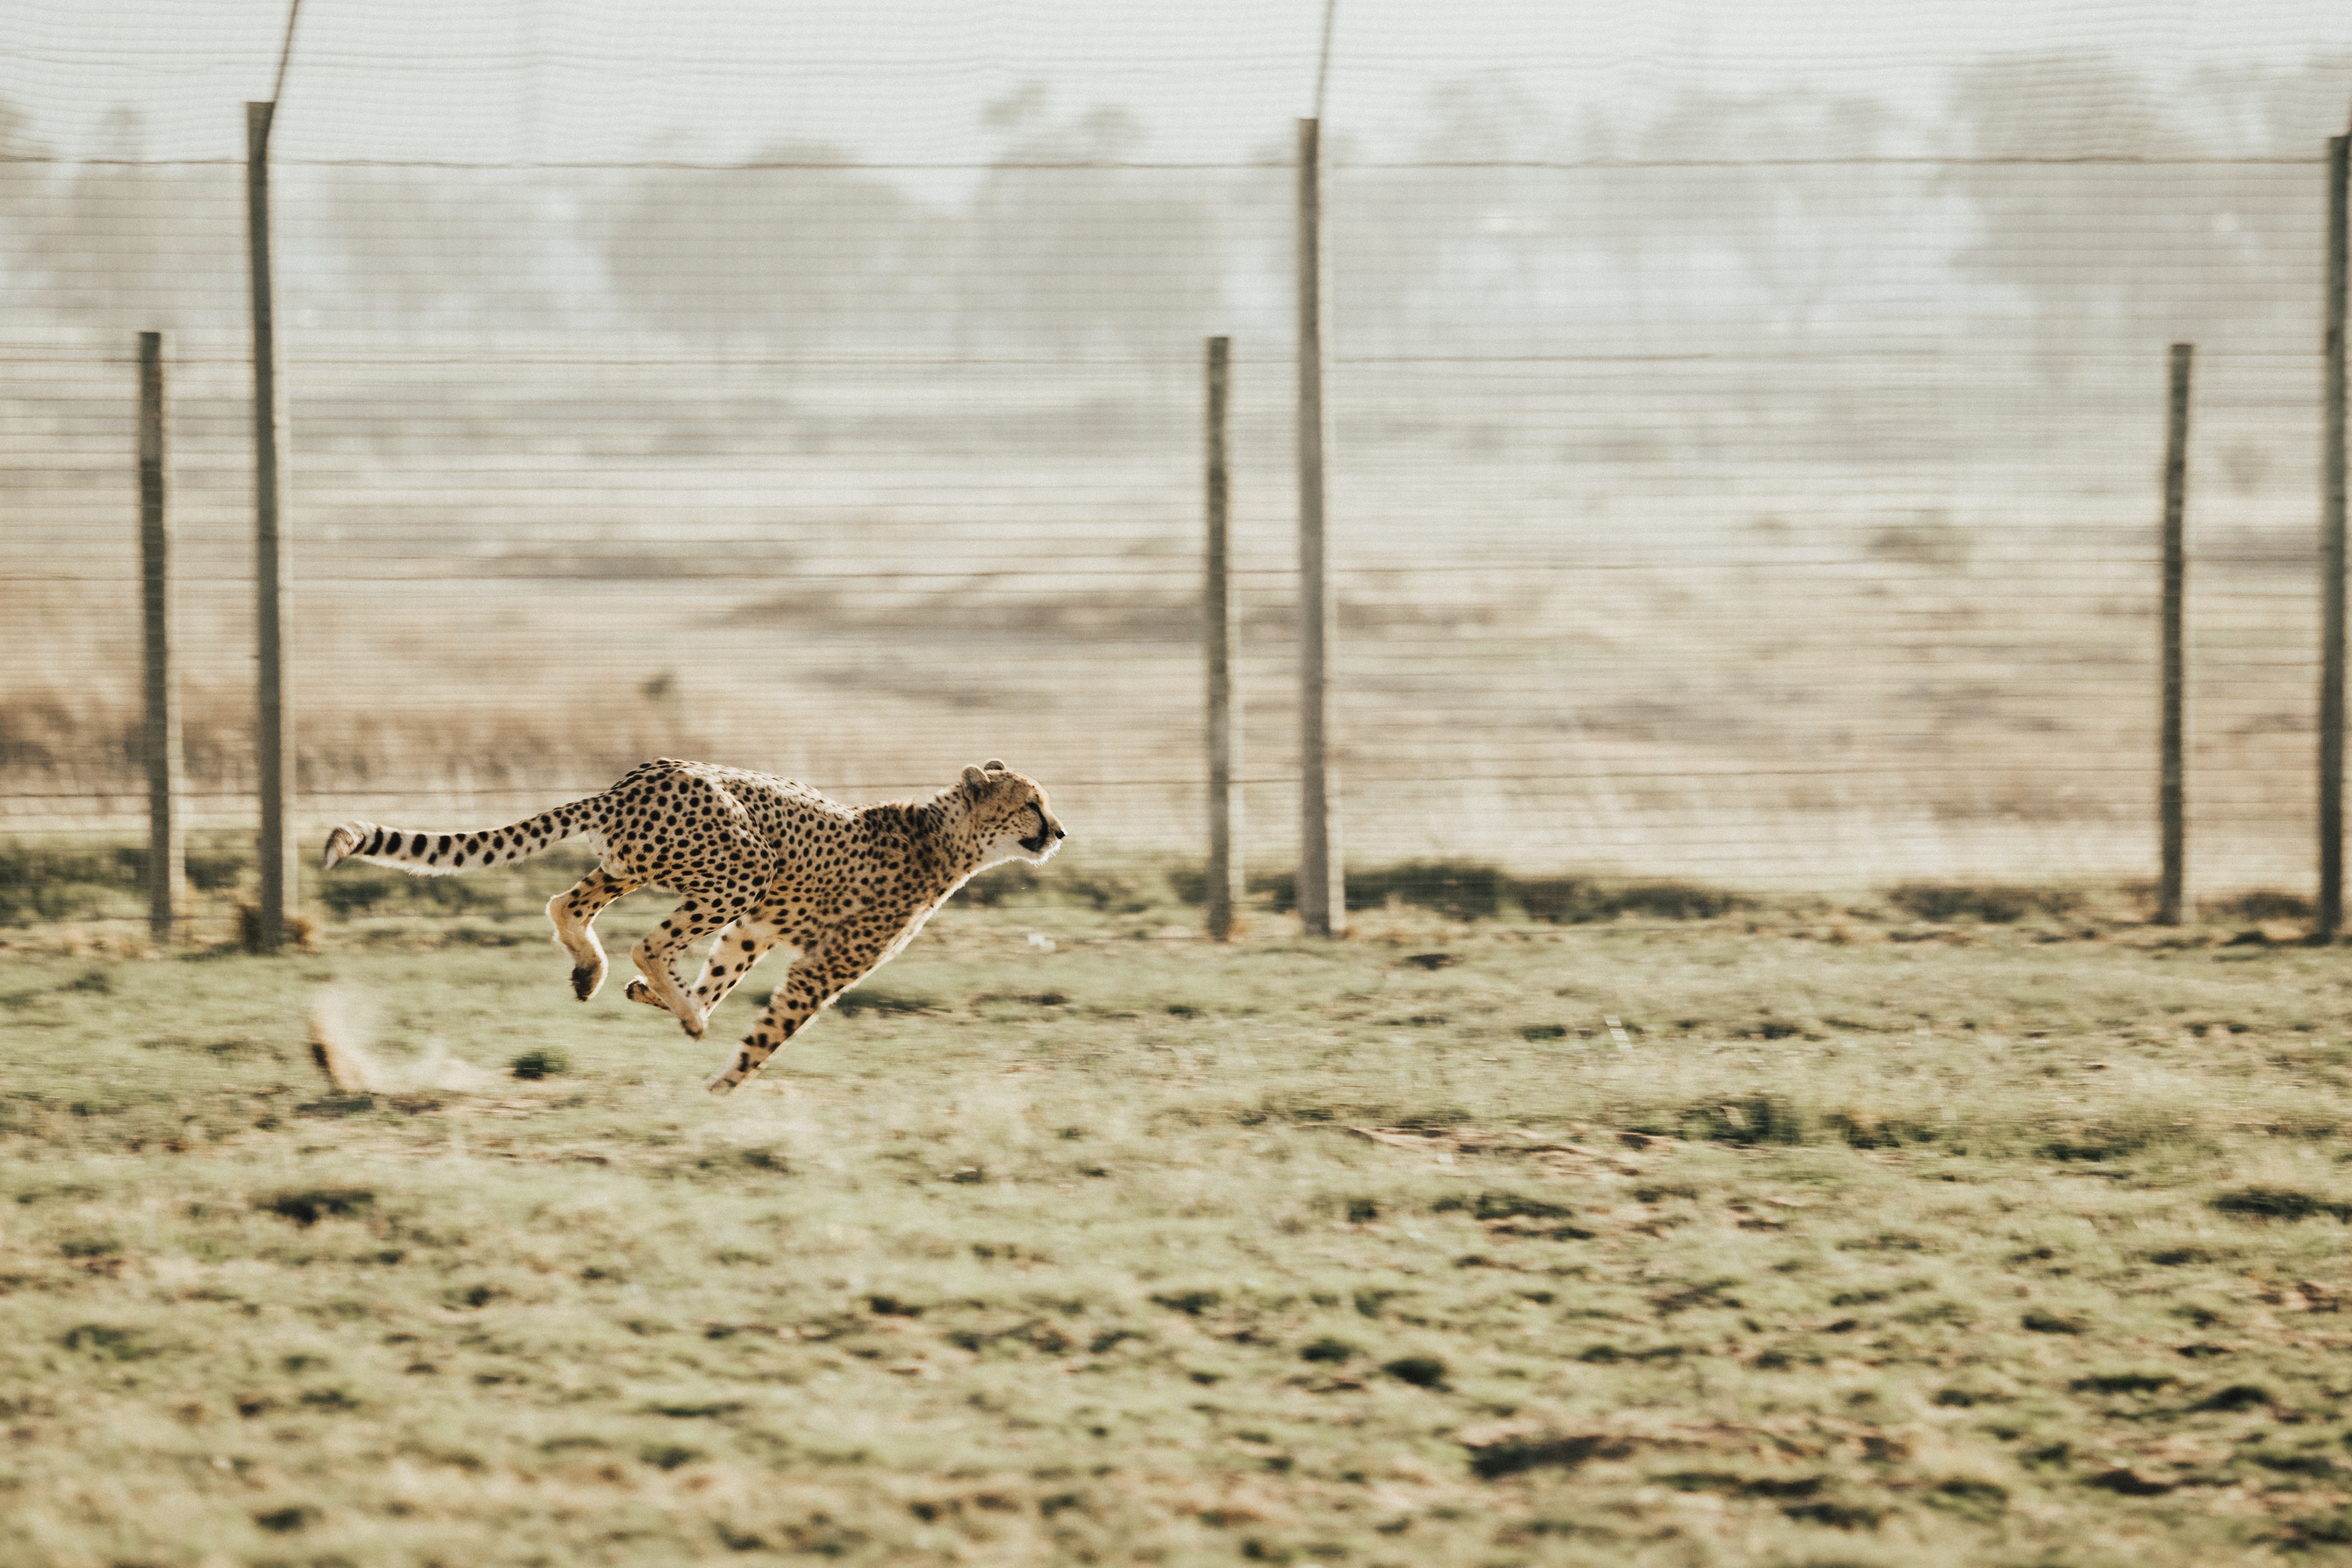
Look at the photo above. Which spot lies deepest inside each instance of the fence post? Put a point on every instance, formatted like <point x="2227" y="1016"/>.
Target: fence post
<point x="2172" y="778"/>
<point x="1322" y="891"/>
<point x="2330" y="914"/>
<point x="160" y="730"/>
<point x="274" y="718"/>
<point x="1220" y="631"/>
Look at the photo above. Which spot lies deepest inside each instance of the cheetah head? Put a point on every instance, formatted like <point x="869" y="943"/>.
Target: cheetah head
<point x="1011" y="814"/>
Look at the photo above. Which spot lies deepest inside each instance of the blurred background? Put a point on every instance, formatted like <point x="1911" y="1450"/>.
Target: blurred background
<point x="1748" y="418"/>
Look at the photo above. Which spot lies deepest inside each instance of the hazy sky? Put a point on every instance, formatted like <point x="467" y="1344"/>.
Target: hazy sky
<point x="906" y="81"/>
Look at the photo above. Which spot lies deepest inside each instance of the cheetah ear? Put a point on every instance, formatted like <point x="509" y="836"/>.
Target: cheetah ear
<point x="974" y="778"/>
<point x="993" y="766"/>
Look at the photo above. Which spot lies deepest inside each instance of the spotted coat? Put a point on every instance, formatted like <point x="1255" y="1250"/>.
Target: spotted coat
<point x="764" y="862"/>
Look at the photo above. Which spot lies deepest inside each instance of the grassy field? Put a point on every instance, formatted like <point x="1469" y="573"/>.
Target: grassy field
<point x="1796" y="1235"/>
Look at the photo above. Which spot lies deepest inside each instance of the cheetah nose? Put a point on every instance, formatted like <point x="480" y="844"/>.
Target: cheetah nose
<point x="1061" y="833"/>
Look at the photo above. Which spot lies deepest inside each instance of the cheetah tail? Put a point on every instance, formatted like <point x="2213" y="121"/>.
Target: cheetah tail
<point x="441" y="854"/>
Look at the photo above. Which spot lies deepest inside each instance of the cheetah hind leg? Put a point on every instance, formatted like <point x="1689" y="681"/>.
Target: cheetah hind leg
<point x="738" y="947"/>
<point x="574" y="913"/>
<point x="655" y="954"/>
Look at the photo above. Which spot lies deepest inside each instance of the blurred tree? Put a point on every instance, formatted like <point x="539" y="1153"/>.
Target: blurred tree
<point x="119" y="242"/>
<point x="797" y="243"/>
<point x="2276" y="110"/>
<point x="1769" y="181"/>
<point x="2177" y="247"/>
<point x="1061" y="244"/>
<point x="1470" y="245"/>
<point x="387" y="248"/>
<point x="23" y="173"/>
<point x="1521" y="222"/>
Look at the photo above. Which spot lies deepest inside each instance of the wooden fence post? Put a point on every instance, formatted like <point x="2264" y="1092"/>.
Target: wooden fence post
<point x="2330" y="915"/>
<point x="1322" y="891"/>
<point x="160" y="730"/>
<point x="1220" y="630"/>
<point x="2172" y="776"/>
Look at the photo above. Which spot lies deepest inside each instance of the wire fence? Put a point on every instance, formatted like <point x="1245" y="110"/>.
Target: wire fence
<point x="1764" y="490"/>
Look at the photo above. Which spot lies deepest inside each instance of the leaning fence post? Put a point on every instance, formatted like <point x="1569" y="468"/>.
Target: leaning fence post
<point x="2330" y="914"/>
<point x="160" y="729"/>
<point x="1220" y="630"/>
<point x="274" y="718"/>
<point x="2172" y="781"/>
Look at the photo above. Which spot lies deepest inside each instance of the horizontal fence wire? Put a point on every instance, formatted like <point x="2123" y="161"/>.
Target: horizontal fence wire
<point x="1764" y="490"/>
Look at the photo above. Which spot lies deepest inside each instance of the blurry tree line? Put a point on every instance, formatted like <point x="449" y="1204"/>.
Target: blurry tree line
<point x="1496" y="215"/>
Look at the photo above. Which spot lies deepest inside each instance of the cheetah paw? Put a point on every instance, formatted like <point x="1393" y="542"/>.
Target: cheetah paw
<point x="586" y="980"/>
<point x="638" y="990"/>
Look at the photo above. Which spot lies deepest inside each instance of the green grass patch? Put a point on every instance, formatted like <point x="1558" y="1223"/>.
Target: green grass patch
<point x="2257" y="905"/>
<point x="2278" y="1203"/>
<point x="1473" y="891"/>
<point x="1645" y="1240"/>
<point x="1994" y="903"/>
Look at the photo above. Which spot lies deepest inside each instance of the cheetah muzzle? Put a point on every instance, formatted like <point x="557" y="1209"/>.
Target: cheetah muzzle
<point x="762" y="862"/>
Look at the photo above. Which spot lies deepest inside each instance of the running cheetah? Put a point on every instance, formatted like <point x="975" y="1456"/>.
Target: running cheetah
<point x="764" y="862"/>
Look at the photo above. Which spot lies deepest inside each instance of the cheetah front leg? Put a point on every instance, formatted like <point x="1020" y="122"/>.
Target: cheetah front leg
<point x="574" y="913"/>
<point x="812" y="984"/>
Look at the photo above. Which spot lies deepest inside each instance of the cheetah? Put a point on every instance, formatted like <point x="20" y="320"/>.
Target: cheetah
<point x="764" y="862"/>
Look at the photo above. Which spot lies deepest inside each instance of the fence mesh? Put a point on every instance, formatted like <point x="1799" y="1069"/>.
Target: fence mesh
<point x="1752" y="479"/>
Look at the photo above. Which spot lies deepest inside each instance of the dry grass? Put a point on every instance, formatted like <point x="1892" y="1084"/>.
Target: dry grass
<point x="1785" y="1237"/>
<point x="1762" y="666"/>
